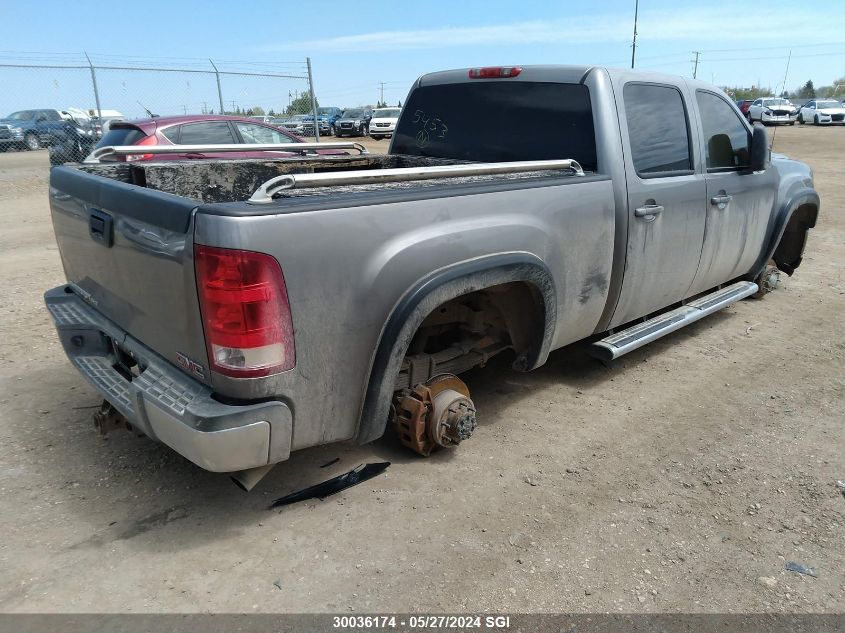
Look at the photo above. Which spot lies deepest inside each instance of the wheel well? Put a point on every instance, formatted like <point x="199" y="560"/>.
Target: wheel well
<point x="517" y="276"/>
<point x="468" y="330"/>
<point x="790" y="248"/>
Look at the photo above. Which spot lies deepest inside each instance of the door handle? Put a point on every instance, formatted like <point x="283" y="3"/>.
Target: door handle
<point x="648" y="212"/>
<point x="721" y="201"/>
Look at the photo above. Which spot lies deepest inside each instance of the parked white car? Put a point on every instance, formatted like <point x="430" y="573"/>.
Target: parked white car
<point x="772" y="110"/>
<point x="383" y="122"/>
<point x="822" y="112"/>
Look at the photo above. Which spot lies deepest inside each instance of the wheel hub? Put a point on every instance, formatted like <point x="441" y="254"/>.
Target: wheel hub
<point x="435" y="414"/>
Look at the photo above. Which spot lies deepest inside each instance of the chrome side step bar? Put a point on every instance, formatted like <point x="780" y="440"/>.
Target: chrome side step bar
<point x="634" y="337"/>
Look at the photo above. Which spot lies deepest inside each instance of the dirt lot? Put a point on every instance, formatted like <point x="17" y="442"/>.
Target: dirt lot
<point x="682" y="478"/>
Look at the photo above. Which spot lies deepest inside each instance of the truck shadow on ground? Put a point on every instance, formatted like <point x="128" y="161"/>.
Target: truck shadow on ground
<point x="150" y="487"/>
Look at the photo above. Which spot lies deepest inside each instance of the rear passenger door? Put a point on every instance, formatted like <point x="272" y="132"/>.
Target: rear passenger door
<point x="261" y="134"/>
<point x="665" y="198"/>
<point x="739" y="202"/>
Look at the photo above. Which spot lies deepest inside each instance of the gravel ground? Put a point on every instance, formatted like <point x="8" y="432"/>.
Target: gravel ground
<point x="682" y="479"/>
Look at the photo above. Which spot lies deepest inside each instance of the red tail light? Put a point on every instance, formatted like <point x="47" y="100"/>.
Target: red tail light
<point x="149" y="140"/>
<point x="494" y="72"/>
<point x="245" y="310"/>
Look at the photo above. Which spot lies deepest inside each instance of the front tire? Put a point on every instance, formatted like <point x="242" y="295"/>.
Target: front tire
<point x="31" y="141"/>
<point x="332" y="130"/>
<point x="816" y="120"/>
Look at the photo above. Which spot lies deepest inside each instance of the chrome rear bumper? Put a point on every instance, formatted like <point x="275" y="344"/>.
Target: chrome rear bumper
<point x="162" y="401"/>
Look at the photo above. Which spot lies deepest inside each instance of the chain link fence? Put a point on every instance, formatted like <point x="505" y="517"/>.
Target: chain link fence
<point x="66" y="103"/>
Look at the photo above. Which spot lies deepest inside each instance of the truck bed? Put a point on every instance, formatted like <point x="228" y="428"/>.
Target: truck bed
<point x="236" y="180"/>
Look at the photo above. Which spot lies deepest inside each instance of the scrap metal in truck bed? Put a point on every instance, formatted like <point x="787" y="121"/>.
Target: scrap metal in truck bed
<point x="239" y="310"/>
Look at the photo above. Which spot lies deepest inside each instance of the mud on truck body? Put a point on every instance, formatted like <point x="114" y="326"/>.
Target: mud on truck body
<point x="239" y="310"/>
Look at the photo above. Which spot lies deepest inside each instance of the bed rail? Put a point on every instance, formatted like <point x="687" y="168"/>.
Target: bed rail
<point x="264" y="194"/>
<point x="301" y="148"/>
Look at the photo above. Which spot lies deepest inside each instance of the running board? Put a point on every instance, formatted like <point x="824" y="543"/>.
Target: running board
<point x="620" y="343"/>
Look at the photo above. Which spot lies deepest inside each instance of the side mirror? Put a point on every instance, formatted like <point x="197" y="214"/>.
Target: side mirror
<point x="760" y="152"/>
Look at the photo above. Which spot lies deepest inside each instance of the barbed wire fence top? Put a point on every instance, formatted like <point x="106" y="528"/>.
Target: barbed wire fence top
<point x="107" y="87"/>
<point x="135" y="85"/>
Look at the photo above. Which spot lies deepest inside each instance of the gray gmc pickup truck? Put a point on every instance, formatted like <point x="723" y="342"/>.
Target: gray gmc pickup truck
<point x="239" y="310"/>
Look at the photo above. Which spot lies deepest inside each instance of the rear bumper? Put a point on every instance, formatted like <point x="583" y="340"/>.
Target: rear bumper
<point x="162" y="401"/>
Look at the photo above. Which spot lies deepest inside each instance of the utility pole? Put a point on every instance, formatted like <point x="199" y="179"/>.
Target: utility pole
<point x="185" y="109"/>
<point x="786" y="73"/>
<point x="219" y="89"/>
<point x="313" y="100"/>
<point x="634" y="45"/>
<point x="96" y="92"/>
<point x="695" y="61"/>
<point x="205" y="107"/>
<point x="381" y="83"/>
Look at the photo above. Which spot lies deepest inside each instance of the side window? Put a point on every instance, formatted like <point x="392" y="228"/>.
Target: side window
<point x="211" y="133"/>
<point x="252" y="133"/>
<point x="657" y="127"/>
<point x="52" y="115"/>
<point x="726" y="138"/>
<point x="172" y="133"/>
<point x="758" y="102"/>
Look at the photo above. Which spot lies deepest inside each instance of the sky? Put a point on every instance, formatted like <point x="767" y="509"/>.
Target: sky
<point x="358" y="49"/>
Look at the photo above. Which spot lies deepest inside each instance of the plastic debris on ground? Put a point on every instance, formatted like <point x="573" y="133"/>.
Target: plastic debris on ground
<point x="333" y="485"/>
<point x="801" y="569"/>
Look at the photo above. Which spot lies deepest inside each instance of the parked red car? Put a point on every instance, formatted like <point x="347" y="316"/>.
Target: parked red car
<point x="198" y="129"/>
<point x="743" y="105"/>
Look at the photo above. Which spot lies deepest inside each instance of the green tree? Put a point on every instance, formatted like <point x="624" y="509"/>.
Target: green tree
<point x="302" y="104"/>
<point x="834" y="91"/>
<point x="740" y="92"/>
<point x="808" y="91"/>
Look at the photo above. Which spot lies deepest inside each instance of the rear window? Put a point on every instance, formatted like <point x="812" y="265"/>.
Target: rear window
<point x="658" y="129"/>
<point x="121" y="136"/>
<point x="496" y="121"/>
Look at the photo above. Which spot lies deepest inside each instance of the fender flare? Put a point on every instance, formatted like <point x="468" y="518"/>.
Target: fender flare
<point x="802" y="197"/>
<point x="423" y="298"/>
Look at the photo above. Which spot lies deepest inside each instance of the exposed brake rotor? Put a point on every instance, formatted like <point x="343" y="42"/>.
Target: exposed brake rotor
<point x="434" y="414"/>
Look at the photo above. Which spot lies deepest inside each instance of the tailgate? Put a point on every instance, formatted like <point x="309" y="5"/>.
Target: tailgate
<point x="128" y="251"/>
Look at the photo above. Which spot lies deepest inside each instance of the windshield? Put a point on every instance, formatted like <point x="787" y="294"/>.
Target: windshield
<point x="353" y="114"/>
<point x="771" y="102"/>
<point x="829" y="104"/>
<point x="23" y="115"/>
<point x="325" y="110"/>
<point x="386" y="113"/>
